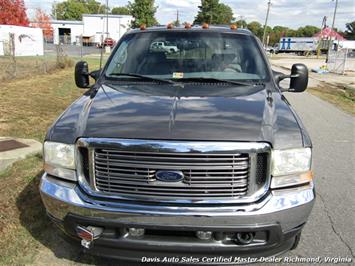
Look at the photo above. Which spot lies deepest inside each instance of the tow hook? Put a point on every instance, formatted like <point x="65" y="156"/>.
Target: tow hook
<point x="88" y="234"/>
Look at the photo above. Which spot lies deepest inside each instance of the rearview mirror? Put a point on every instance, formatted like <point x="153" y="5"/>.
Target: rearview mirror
<point x="299" y="78"/>
<point x="82" y="74"/>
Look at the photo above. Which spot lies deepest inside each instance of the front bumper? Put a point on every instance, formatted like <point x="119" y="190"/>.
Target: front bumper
<point x="279" y="216"/>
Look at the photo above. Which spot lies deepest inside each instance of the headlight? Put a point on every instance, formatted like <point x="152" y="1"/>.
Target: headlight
<point x="291" y="167"/>
<point x="59" y="159"/>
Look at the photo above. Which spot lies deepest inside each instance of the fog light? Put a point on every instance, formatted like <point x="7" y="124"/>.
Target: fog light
<point x="136" y="232"/>
<point x="204" y="235"/>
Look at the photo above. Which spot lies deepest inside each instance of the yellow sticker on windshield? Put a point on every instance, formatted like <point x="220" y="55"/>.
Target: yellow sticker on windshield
<point x="178" y="75"/>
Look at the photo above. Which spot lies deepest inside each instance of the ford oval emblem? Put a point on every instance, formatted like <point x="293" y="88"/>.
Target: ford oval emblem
<point x="169" y="176"/>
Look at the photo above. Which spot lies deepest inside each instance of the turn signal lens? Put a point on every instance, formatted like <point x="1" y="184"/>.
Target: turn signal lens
<point x="291" y="180"/>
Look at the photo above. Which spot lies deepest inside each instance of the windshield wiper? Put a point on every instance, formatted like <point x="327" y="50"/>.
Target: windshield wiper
<point x="239" y="83"/>
<point x="143" y="77"/>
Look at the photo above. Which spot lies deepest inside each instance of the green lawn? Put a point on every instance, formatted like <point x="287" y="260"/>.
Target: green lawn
<point x="28" y="106"/>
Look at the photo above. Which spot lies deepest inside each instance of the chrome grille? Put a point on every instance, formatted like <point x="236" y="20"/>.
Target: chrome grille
<point x="205" y="175"/>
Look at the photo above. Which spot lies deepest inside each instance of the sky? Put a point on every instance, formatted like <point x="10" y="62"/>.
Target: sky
<point x="290" y="13"/>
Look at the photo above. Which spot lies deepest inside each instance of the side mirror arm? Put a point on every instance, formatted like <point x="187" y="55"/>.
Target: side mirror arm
<point x="95" y="74"/>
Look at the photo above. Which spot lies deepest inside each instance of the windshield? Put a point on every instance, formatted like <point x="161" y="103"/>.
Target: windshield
<point x="188" y="55"/>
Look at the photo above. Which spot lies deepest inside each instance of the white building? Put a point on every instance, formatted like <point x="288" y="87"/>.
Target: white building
<point x="28" y="41"/>
<point x="92" y="28"/>
<point x="96" y="25"/>
<point x="67" y="31"/>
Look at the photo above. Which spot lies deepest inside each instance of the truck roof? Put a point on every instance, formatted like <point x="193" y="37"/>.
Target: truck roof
<point x="196" y="28"/>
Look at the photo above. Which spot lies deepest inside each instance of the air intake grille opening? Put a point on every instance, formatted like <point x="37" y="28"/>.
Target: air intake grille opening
<point x="261" y="168"/>
<point x="205" y="175"/>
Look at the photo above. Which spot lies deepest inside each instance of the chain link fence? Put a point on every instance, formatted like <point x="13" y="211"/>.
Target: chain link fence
<point x="56" y="56"/>
<point x="341" y="61"/>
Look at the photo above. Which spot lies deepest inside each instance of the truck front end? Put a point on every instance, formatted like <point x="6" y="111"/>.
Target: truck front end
<point x="176" y="167"/>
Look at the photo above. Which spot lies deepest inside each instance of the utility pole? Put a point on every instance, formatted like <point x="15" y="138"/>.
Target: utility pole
<point x="266" y="19"/>
<point x="107" y="35"/>
<point x="332" y="29"/>
<point x="177" y="18"/>
<point x="241" y="21"/>
<point x="335" y="13"/>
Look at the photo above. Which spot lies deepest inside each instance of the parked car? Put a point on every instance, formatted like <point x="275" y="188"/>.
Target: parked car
<point x="107" y="42"/>
<point x="195" y="155"/>
<point x="271" y="49"/>
<point x="164" y="46"/>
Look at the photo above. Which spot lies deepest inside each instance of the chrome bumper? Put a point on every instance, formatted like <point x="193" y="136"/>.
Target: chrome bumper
<point x="289" y="208"/>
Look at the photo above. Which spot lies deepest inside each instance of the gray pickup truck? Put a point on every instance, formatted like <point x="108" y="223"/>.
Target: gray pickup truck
<point x="191" y="156"/>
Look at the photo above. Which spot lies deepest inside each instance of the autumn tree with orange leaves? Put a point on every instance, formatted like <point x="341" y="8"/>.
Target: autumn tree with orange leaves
<point x="43" y="21"/>
<point x="13" y="12"/>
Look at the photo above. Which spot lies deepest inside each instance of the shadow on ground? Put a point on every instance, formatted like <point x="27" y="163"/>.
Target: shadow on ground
<point x="33" y="217"/>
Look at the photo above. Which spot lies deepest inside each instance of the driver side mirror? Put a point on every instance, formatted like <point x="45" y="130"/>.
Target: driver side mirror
<point x="82" y="74"/>
<point x="299" y="78"/>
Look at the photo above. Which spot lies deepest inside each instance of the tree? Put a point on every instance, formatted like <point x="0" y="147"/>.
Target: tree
<point x="224" y="14"/>
<point x="74" y="9"/>
<point x="307" y="31"/>
<point x="13" y="12"/>
<point x="121" y="10"/>
<point x="143" y="12"/>
<point x="43" y="21"/>
<point x="242" y="23"/>
<point x="256" y="28"/>
<point x="213" y="12"/>
<point x="350" y="30"/>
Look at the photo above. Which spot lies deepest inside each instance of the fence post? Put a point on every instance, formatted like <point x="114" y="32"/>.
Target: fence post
<point x="81" y="46"/>
<point x="345" y="59"/>
<point x="13" y="54"/>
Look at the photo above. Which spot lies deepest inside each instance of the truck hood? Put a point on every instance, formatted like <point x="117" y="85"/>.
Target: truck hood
<point x="190" y="112"/>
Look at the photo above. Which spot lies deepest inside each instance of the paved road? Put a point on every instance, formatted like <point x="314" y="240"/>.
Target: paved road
<point x="330" y="231"/>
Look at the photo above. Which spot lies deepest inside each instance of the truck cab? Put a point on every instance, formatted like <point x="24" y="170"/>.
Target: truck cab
<point x="195" y="155"/>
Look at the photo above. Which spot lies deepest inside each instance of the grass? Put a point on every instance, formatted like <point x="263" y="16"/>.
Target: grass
<point x="31" y="104"/>
<point x="28" y="107"/>
<point x="20" y="215"/>
<point x="342" y="97"/>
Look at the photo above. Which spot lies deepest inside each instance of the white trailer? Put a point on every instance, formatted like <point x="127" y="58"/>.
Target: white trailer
<point x="28" y="41"/>
<point x="299" y="45"/>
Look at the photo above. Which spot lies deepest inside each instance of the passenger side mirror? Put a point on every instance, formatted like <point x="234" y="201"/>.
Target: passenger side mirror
<point x="299" y="78"/>
<point x="82" y="74"/>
